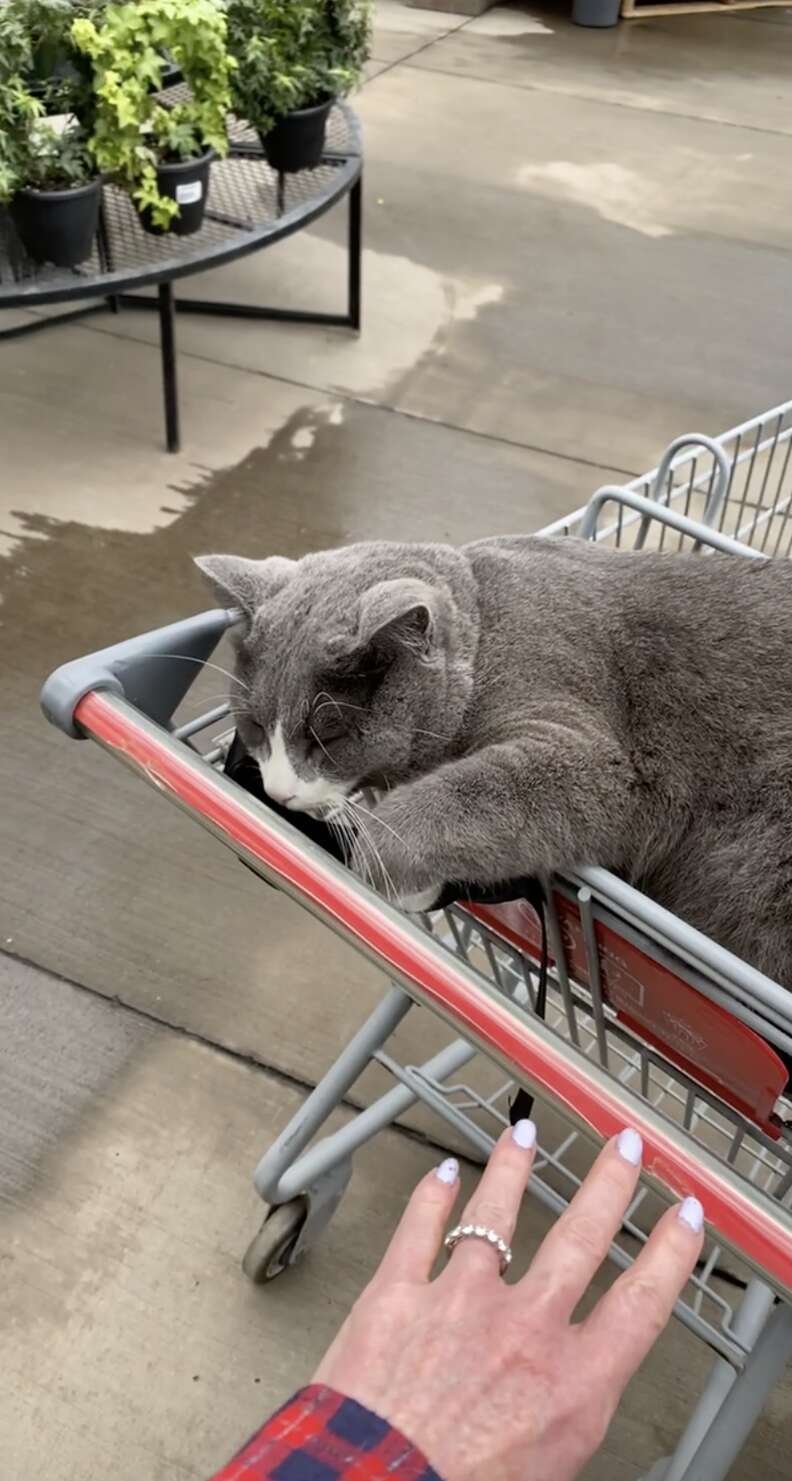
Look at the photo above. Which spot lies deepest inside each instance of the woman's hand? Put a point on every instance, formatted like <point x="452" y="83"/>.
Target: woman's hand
<point x="494" y="1382"/>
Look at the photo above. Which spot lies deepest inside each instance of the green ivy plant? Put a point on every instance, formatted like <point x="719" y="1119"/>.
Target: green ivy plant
<point x="295" y="53"/>
<point x="134" y="129"/>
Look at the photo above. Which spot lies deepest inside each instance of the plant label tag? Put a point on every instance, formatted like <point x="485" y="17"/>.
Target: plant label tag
<point x="187" y="195"/>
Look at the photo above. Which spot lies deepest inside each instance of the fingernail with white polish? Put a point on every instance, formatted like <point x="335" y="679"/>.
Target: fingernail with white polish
<point x="630" y="1147"/>
<point x="691" y="1213"/>
<point x="448" y="1171"/>
<point x="524" y="1134"/>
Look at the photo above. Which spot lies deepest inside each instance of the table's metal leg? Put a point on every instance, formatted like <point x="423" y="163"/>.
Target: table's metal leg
<point x="103" y="243"/>
<point x="168" y="349"/>
<point x="355" y="252"/>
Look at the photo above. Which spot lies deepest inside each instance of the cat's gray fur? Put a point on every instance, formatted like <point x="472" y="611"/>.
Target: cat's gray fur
<point x="538" y="704"/>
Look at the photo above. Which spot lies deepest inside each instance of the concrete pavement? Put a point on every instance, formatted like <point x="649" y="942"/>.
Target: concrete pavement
<point x="576" y="247"/>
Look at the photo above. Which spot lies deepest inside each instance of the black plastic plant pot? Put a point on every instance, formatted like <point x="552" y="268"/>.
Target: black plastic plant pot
<point x="58" y="226"/>
<point x="187" y="183"/>
<point x="53" y="62"/>
<point x="596" y="12"/>
<point x="297" y="141"/>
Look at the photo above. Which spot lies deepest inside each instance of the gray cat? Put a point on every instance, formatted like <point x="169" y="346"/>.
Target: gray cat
<point x="529" y="705"/>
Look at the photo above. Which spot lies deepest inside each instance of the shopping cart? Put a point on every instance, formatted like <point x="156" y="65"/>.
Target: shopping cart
<point x="592" y="998"/>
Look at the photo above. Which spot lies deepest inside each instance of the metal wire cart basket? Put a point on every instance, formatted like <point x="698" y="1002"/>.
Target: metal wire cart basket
<point x="609" y="1010"/>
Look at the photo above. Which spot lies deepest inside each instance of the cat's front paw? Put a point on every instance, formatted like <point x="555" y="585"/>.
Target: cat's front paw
<point x="391" y="855"/>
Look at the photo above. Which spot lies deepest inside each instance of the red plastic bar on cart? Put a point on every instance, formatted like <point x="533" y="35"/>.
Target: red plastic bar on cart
<point x="743" y="1218"/>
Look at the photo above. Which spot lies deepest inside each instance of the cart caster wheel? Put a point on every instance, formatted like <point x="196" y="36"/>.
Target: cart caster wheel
<point x="268" y="1253"/>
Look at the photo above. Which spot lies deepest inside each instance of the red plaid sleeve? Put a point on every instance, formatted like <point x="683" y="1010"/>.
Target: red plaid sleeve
<point x="321" y="1436"/>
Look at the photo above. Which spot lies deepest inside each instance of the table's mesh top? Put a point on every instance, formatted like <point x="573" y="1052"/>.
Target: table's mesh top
<point x="245" y="197"/>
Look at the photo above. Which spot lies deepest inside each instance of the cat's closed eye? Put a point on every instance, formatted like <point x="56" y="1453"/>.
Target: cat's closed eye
<point x="328" y="723"/>
<point x="254" y="734"/>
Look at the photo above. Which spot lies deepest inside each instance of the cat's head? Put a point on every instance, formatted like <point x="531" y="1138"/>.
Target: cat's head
<point x="353" y="667"/>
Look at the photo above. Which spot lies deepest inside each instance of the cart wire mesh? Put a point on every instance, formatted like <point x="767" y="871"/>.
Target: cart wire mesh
<point x="755" y="501"/>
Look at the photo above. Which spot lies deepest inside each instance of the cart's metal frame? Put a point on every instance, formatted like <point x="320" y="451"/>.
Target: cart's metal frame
<point x="731" y="495"/>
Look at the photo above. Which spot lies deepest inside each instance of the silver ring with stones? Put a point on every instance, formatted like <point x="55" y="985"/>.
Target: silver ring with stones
<point x="480" y="1231"/>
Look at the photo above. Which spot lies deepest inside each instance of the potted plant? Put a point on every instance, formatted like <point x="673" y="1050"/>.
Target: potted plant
<point x="293" y="61"/>
<point x="53" y="193"/>
<point x="48" y="177"/>
<point x="160" y="152"/>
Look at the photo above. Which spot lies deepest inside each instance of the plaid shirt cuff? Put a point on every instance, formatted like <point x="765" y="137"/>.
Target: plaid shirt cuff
<point x="321" y="1436"/>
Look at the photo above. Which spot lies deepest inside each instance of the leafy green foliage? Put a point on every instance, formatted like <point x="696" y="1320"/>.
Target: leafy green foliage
<point x="58" y="160"/>
<point x="42" y="72"/>
<point x="19" y="111"/>
<point x="36" y="45"/>
<point x="134" y="131"/>
<point x="294" y="53"/>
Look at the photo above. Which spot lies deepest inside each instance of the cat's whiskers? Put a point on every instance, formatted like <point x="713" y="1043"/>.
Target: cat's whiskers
<point x="362" y="846"/>
<point x="359" y="842"/>
<point x="364" y="833"/>
<point x="338" y="704"/>
<point x="382" y="824"/>
<point x="321" y="743"/>
<point x="203" y="663"/>
<point x="343" y="830"/>
<point x="206" y="702"/>
<point x="336" y="832"/>
<point x="326" y="699"/>
<point x="379" y="878"/>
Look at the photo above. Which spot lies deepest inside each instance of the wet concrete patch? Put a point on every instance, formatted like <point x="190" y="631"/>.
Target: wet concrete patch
<point x="511" y="20"/>
<point x="410" y="309"/>
<point x="560" y="276"/>
<point x="83" y="432"/>
<point x="685" y="65"/>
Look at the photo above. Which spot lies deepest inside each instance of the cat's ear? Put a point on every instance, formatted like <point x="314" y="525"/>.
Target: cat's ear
<point x="393" y="614"/>
<point x="237" y="582"/>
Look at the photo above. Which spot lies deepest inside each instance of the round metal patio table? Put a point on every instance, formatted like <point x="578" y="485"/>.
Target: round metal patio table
<point x="250" y="206"/>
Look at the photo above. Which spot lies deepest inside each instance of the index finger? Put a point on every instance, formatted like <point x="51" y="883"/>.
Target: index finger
<point x="626" y="1323"/>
